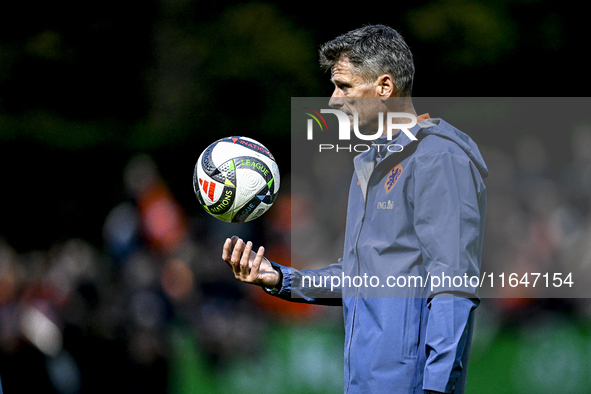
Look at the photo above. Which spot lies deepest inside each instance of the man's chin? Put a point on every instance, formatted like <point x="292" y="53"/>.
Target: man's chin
<point x="368" y="130"/>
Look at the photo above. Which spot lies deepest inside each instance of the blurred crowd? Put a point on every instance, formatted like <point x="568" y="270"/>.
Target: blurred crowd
<point x="78" y="318"/>
<point x="539" y="220"/>
<point x="81" y="318"/>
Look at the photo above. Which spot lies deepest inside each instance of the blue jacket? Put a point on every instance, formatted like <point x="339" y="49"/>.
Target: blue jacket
<point x="418" y="212"/>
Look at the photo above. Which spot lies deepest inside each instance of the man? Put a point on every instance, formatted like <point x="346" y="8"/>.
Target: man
<point x="416" y="341"/>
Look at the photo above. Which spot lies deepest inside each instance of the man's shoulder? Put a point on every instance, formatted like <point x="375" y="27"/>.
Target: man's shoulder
<point x="438" y="136"/>
<point x="440" y="142"/>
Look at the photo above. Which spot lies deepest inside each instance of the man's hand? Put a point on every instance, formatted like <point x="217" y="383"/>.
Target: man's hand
<point x="248" y="266"/>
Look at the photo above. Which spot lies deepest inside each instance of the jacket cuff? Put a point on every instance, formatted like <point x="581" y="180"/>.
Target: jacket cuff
<point x="282" y="288"/>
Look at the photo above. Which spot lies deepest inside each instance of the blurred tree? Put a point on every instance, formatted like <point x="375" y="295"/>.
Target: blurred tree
<point x="80" y="84"/>
<point x="236" y="72"/>
<point x="472" y="33"/>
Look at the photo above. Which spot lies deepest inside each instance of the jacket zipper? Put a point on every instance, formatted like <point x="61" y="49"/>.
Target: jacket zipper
<point x="357" y="290"/>
<point x="358" y="272"/>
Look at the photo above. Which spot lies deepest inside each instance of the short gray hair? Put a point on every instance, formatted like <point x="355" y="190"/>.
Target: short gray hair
<point x="373" y="50"/>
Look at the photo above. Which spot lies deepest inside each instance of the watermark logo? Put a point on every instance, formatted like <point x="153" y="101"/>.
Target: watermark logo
<point x="345" y="124"/>
<point x="315" y="116"/>
<point x="385" y="120"/>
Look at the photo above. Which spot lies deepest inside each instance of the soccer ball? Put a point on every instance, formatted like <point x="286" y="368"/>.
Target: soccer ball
<point x="236" y="179"/>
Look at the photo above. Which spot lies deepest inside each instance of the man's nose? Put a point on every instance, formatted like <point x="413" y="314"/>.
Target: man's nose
<point x="336" y="100"/>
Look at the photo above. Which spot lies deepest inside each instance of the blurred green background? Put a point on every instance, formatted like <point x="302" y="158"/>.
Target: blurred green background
<point x="110" y="276"/>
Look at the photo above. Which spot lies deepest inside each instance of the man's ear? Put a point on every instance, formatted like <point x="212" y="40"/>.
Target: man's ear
<point x="385" y="86"/>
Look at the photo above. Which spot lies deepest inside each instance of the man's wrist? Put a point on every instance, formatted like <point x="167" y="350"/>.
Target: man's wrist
<point x="277" y="287"/>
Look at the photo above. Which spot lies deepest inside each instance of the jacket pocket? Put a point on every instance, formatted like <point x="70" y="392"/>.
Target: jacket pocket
<point x="412" y="327"/>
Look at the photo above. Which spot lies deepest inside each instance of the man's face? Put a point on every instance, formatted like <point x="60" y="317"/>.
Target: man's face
<point x="353" y="94"/>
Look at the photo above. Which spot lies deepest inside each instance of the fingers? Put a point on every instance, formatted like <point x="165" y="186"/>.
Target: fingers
<point x="226" y="251"/>
<point x="244" y="261"/>
<point x="229" y="255"/>
<point x="256" y="264"/>
<point x="236" y="256"/>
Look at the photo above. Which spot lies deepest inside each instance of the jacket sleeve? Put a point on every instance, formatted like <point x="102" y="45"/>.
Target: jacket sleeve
<point x="449" y="198"/>
<point x="310" y="286"/>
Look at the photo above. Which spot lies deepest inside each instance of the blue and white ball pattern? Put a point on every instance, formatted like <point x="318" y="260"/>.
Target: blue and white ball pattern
<point x="236" y="179"/>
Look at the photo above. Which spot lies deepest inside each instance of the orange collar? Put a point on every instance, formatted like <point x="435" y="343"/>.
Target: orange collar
<point x="423" y="117"/>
